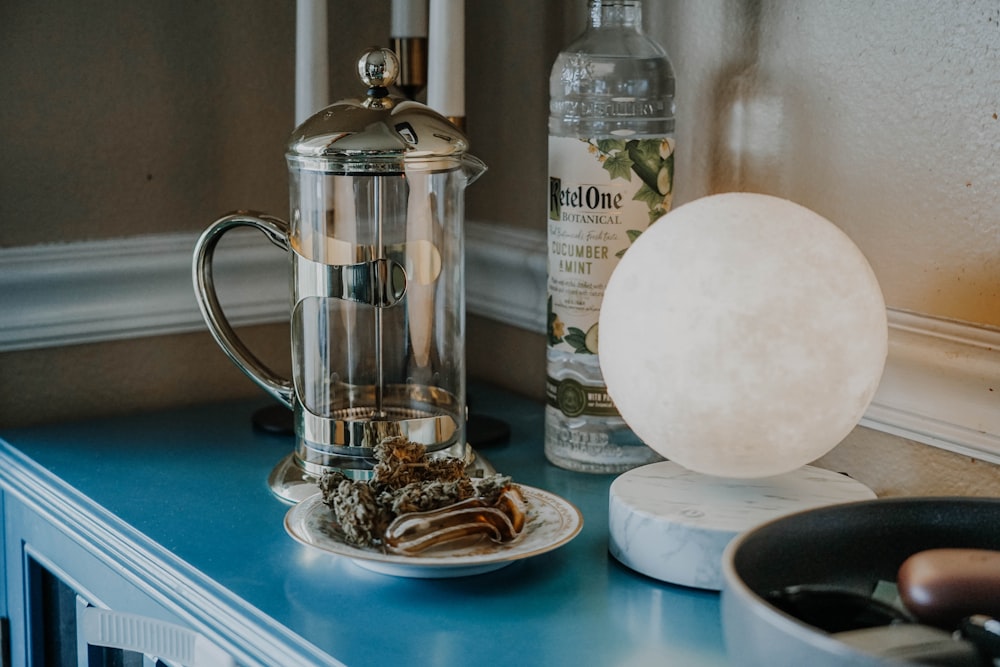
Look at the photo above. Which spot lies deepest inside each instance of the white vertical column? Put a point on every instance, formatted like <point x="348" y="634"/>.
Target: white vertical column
<point x="408" y="32"/>
<point x="446" y="58"/>
<point x="409" y="18"/>
<point x="312" y="59"/>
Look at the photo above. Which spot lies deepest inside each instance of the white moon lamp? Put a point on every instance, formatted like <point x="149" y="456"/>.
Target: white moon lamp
<point x="742" y="336"/>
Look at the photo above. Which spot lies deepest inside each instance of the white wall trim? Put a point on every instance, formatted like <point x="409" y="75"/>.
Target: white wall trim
<point x="506" y="274"/>
<point x="65" y="294"/>
<point x="941" y="385"/>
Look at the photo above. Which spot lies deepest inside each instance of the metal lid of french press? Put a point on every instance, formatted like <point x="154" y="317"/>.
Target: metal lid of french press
<point x="382" y="133"/>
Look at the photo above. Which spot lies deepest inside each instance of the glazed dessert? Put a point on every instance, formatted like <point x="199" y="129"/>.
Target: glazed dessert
<point x="413" y="502"/>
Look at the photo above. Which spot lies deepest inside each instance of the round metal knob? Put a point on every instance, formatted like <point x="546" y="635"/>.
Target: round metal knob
<point x="378" y="68"/>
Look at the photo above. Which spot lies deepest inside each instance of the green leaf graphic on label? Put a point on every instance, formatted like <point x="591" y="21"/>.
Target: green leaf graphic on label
<point x="652" y="160"/>
<point x="608" y="145"/>
<point x="619" y="165"/>
<point x="577" y="339"/>
<point x="646" y="160"/>
<point x="648" y="195"/>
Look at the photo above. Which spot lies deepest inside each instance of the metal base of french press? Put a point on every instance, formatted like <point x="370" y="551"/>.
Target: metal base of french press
<point x="293" y="480"/>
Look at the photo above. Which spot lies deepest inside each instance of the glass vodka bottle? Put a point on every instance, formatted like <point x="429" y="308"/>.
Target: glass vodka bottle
<point x="611" y="165"/>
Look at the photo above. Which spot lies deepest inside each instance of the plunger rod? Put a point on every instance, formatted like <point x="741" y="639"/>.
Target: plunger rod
<point x="380" y="251"/>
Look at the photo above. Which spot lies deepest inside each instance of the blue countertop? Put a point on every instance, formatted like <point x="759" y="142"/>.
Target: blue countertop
<point x="194" y="481"/>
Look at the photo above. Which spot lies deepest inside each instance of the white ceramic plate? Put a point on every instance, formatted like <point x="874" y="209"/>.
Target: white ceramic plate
<point x="552" y="522"/>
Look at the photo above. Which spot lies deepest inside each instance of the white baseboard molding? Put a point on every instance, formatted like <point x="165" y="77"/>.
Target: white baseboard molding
<point x="506" y="275"/>
<point x="941" y="385"/>
<point x="66" y="294"/>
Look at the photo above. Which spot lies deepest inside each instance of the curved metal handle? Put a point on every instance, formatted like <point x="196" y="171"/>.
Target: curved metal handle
<point x="276" y="231"/>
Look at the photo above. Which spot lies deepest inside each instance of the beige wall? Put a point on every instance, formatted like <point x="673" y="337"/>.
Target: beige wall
<point x="123" y="118"/>
<point x="882" y="116"/>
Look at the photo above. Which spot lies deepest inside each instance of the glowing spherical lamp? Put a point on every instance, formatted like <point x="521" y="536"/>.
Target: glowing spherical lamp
<point x="742" y="336"/>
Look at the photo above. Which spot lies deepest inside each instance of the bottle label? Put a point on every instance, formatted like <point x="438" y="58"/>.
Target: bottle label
<point x="574" y="398"/>
<point x="603" y="193"/>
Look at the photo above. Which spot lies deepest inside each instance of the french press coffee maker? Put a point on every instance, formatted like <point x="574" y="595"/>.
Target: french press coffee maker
<point x="377" y="283"/>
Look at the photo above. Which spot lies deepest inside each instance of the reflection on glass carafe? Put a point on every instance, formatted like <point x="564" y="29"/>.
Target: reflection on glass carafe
<point x="377" y="287"/>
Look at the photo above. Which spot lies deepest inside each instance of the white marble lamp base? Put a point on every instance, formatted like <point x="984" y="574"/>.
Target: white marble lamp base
<point x="673" y="524"/>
